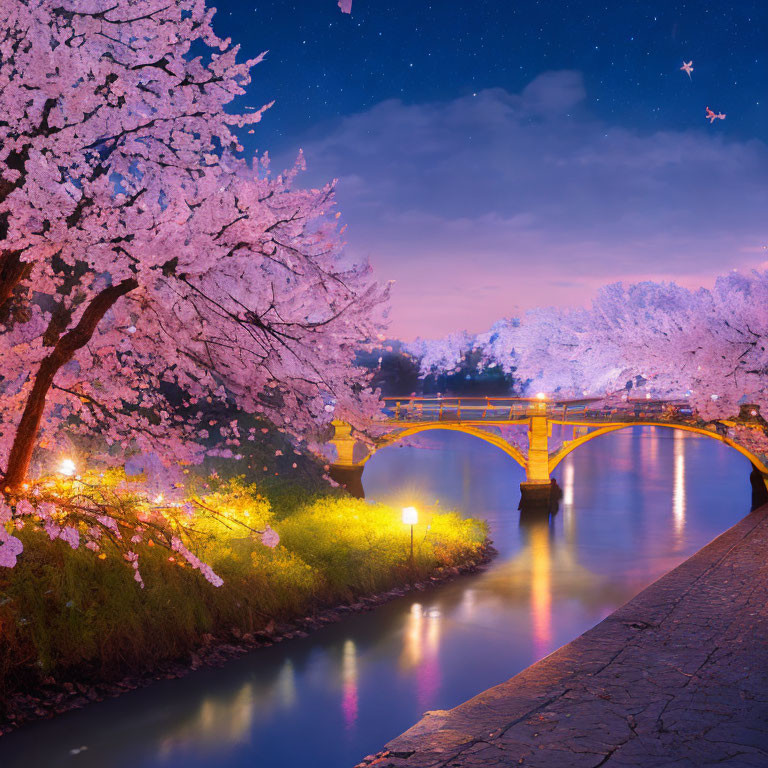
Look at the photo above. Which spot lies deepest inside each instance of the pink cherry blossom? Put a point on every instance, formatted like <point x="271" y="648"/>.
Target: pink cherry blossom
<point x="269" y="537"/>
<point x="177" y="545"/>
<point x="10" y="549"/>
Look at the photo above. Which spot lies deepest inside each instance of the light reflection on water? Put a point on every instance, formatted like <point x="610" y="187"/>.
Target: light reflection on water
<point x="541" y="591"/>
<point x="634" y="504"/>
<point x="349" y="683"/>
<point x="678" y="489"/>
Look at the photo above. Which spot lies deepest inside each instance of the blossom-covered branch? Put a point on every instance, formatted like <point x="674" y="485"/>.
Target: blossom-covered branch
<point x="140" y="251"/>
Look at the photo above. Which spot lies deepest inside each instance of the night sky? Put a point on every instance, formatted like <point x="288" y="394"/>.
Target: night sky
<point x="497" y="155"/>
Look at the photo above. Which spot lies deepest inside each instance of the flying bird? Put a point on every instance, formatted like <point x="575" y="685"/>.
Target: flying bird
<point x="712" y="116"/>
<point x="687" y="68"/>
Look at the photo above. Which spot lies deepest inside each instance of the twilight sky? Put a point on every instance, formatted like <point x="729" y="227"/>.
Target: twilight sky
<point x="493" y="155"/>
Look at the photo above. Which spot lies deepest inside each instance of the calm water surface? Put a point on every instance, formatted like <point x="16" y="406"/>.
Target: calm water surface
<point x="636" y="503"/>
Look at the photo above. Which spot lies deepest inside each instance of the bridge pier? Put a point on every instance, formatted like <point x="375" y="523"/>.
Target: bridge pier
<point x="749" y="413"/>
<point x="349" y="477"/>
<point x="345" y="471"/>
<point x="759" y="482"/>
<point x="539" y="498"/>
<point x="538" y="493"/>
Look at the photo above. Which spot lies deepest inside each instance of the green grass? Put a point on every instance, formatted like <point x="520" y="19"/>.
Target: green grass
<point x="71" y="615"/>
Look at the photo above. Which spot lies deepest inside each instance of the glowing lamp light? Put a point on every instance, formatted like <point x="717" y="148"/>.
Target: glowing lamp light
<point x="67" y="467"/>
<point x="410" y="517"/>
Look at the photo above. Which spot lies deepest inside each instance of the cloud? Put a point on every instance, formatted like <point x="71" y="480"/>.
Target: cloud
<point x="490" y="203"/>
<point x="553" y="93"/>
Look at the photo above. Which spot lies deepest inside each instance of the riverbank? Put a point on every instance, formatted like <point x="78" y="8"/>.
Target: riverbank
<point x="56" y="697"/>
<point x="76" y="628"/>
<point x="678" y="674"/>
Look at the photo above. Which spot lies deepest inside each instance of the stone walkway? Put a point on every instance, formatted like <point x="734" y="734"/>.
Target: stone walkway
<point x="676" y="677"/>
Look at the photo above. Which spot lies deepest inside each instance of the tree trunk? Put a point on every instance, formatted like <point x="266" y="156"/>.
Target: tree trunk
<point x="12" y="271"/>
<point x="29" y="426"/>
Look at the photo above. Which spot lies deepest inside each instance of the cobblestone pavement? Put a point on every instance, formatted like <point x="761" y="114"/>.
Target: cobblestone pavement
<point x="676" y="677"/>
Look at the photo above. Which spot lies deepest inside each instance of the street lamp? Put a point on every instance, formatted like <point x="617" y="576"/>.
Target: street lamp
<point x="410" y="517"/>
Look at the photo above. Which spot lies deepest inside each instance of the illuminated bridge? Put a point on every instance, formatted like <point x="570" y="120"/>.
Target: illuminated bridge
<point x="494" y="419"/>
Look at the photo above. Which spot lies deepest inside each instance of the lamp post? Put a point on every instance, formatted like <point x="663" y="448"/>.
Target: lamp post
<point x="410" y="517"/>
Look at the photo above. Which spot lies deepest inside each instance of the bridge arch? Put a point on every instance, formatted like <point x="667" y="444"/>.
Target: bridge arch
<point x="571" y="445"/>
<point x="488" y="437"/>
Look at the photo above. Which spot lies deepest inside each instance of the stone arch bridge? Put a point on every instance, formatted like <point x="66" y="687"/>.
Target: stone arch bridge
<point x="582" y="420"/>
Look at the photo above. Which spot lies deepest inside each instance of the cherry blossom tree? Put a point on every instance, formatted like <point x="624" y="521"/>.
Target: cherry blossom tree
<point x="443" y="355"/>
<point x="147" y="268"/>
<point x="707" y="345"/>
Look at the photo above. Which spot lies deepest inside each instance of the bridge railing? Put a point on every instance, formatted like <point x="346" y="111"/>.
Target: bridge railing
<point x="505" y="409"/>
<point x="461" y="408"/>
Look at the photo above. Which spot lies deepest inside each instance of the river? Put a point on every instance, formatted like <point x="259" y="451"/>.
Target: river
<point x="635" y="504"/>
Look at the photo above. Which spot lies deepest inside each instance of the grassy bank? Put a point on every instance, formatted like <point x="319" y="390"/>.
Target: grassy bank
<point x="69" y="614"/>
